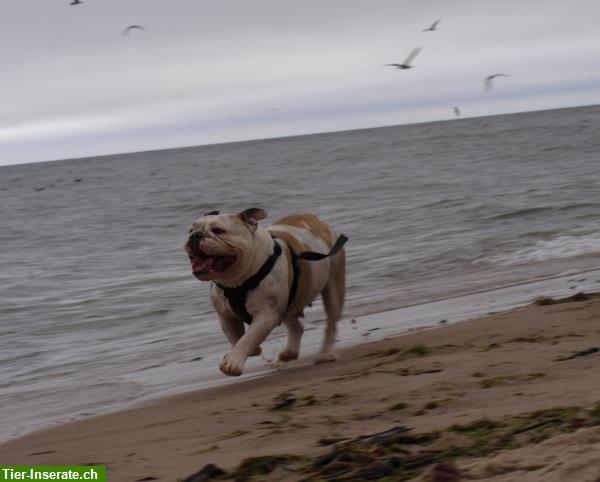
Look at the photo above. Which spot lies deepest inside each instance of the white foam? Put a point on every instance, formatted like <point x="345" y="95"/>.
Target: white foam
<point x="557" y="248"/>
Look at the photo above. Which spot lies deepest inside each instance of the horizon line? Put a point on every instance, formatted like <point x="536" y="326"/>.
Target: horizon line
<point x="260" y="139"/>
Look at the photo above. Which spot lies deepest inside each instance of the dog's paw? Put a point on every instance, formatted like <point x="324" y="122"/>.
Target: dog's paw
<point x="326" y="357"/>
<point x="232" y="365"/>
<point x="256" y="352"/>
<point x="288" y="355"/>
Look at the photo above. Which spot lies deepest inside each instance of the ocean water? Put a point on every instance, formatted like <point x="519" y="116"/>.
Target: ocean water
<point x="98" y="307"/>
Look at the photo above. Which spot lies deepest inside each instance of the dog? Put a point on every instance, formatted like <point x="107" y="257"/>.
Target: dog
<point x="263" y="277"/>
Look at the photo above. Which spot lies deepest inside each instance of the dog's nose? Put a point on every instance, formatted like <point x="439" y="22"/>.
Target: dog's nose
<point x="195" y="238"/>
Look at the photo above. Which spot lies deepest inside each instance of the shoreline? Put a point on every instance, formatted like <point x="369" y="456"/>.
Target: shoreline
<point x="496" y="366"/>
<point x="370" y="327"/>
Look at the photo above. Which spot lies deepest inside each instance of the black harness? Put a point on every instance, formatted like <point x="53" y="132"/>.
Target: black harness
<point x="237" y="295"/>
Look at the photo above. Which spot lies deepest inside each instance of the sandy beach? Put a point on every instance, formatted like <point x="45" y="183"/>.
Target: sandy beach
<point x="310" y="182"/>
<point x="509" y="396"/>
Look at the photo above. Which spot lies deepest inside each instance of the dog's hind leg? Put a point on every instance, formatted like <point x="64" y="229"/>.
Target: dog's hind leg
<point x="333" y="300"/>
<point x="292" y="347"/>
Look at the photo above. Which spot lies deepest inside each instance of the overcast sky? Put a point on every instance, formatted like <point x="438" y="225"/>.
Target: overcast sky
<point x="223" y="70"/>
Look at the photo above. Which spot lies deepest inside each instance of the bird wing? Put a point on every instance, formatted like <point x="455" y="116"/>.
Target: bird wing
<point x="412" y="55"/>
<point x="488" y="80"/>
<point x="129" y="28"/>
<point x="434" y="25"/>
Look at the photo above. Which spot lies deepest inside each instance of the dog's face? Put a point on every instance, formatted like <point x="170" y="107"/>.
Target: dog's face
<point x="218" y="243"/>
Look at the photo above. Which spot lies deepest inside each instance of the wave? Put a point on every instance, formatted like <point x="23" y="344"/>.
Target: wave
<point x="557" y="248"/>
<point x="542" y="209"/>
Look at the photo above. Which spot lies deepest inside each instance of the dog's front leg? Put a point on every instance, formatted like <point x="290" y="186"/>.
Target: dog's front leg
<point x="262" y="324"/>
<point x="234" y="330"/>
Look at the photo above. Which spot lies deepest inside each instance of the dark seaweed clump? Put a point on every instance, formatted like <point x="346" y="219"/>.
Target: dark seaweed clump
<point x="398" y="454"/>
<point x="546" y="300"/>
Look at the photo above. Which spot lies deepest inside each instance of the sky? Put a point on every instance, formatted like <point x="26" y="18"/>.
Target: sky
<point x="205" y="72"/>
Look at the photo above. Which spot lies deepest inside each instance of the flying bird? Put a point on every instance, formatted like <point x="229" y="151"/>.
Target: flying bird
<point x="76" y="2"/>
<point x="128" y="29"/>
<point x="433" y="27"/>
<point x="456" y="111"/>
<point x="488" y="80"/>
<point x="406" y="63"/>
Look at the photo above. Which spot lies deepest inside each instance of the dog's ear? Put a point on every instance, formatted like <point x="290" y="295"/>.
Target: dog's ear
<point x="211" y="213"/>
<point x="252" y="216"/>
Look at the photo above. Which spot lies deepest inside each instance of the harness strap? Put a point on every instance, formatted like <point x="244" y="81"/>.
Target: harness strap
<point x="309" y="256"/>
<point x="237" y="295"/>
<point x="296" y="275"/>
<point x="312" y="256"/>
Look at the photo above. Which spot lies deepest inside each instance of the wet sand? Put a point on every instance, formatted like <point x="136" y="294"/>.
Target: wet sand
<point x="508" y="396"/>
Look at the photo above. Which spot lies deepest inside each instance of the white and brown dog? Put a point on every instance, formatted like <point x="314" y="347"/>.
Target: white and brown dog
<point x="263" y="277"/>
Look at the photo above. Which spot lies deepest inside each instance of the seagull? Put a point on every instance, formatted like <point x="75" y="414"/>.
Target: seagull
<point x="76" y="2"/>
<point x="456" y="111"/>
<point x="128" y="29"/>
<point x="433" y="27"/>
<point x="406" y="63"/>
<point x="488" y="80"/>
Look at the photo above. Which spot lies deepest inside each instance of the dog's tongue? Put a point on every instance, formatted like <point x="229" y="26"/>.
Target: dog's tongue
<point x="201" y="264"/>
<point x="210" y="264"/>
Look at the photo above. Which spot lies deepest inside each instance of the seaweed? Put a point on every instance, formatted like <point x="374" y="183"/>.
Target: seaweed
<point x="495" y="381"/>
<point x="399" y="454"/>
<point x="399" y="406"/>
<point x="546" y="300"/>
<point x="206" y="473"/>
<point x="586" y="352"/>
<point x="283" y="401"/>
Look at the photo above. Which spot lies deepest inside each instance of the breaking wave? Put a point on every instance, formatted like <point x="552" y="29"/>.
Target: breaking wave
<point x="557" y="248"/>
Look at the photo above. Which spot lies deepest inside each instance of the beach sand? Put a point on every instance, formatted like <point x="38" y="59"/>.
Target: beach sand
<point x="509" y="396"/>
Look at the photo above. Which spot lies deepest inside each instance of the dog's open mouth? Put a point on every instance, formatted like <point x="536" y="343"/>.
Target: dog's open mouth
<point x="205" y="266"/>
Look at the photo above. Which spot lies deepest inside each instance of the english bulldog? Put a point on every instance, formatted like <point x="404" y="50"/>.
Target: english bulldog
<point x="263" y="277"/>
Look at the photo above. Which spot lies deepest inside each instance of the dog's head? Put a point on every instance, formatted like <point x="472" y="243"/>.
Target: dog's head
<point x="218" y="243"/>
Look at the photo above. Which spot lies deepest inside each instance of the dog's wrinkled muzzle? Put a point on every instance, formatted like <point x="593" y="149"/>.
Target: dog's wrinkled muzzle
<point x="194" y="242"/>
<point x="205" y="266"/>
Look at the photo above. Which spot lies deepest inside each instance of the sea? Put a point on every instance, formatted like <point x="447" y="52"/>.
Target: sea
<point x="98" y="306"/>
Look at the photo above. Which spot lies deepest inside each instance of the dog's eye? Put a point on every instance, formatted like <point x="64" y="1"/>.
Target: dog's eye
<point x="217" y="231"/>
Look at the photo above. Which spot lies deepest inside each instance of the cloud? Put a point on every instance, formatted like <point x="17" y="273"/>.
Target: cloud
<point x="212" y="71"/>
